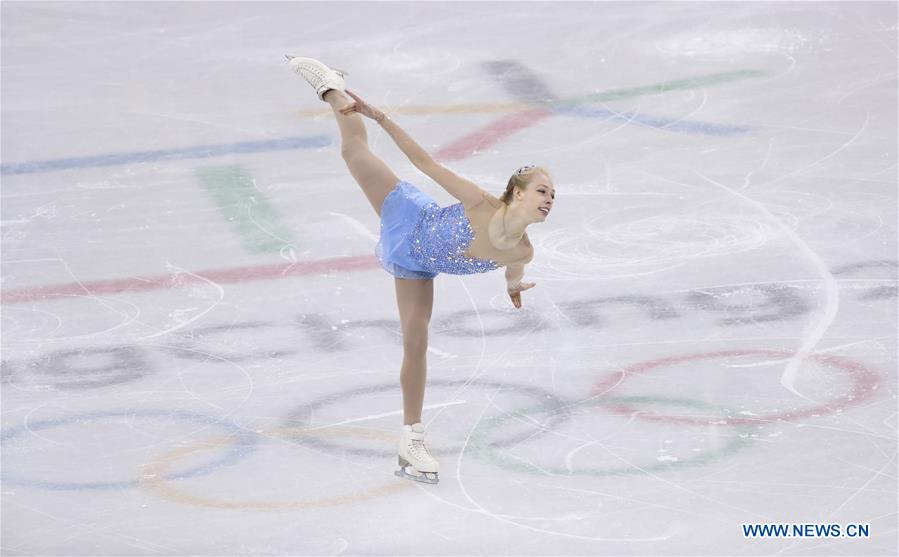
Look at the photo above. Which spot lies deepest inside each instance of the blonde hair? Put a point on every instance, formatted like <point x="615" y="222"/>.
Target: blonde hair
<point x="520" y="178"/>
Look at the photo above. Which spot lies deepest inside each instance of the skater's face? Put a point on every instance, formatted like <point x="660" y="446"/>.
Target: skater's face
<point x="537" y="199"/>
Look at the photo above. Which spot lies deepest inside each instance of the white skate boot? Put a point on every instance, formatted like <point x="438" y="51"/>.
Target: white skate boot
<point x="416" y="462"/>
<point x="321" y="77"/>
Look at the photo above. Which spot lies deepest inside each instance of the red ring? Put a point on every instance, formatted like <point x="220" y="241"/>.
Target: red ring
<point x="864" y="382"/>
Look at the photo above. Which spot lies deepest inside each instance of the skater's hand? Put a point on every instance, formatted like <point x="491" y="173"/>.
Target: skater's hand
<point x="362" y="108"/>
<point x="516" y="290"/>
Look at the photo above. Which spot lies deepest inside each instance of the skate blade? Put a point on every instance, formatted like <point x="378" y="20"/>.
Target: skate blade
<point x="425" y="477"/>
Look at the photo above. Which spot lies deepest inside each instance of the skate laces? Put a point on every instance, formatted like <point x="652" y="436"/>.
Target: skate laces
<point x="316" y="74"/>
<point x="313" y="75"/>
<point x="418" y="448"/>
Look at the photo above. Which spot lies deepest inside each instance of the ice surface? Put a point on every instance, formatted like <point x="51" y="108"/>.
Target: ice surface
<point x="201" y="355"/>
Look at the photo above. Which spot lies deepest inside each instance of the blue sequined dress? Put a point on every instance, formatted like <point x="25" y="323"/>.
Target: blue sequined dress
<point x="420" y="239"/>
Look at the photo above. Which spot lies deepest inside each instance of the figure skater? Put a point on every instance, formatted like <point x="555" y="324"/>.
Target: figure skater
<point x="420" y="239"/>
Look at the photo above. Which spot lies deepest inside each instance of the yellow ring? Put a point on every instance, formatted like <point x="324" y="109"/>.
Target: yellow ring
<point x="154" y="474"/>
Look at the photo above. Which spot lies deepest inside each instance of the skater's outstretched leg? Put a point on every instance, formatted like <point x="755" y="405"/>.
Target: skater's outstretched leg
<point x="375" y="177"/>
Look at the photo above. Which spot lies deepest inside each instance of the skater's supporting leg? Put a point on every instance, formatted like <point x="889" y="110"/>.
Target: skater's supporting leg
<point x="375" y="177"/>
<point x="415" y="299"/>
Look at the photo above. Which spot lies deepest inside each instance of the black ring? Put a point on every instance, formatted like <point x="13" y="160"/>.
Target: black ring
<point x="557" y="408"/>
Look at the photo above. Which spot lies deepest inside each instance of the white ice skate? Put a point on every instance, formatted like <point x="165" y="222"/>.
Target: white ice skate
<point x="416" y="462"/>
<point x="321" y="77"/>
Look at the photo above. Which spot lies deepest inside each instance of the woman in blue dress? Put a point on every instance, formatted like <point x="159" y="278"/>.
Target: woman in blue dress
<point x="420" y="239"/>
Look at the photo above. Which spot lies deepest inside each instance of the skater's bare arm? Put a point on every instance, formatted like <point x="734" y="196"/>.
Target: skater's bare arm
<point x="460" y="188"/>
<point x="465" y="191"/>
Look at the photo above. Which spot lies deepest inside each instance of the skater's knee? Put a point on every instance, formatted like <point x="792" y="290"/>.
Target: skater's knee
<point x="415" y="345"/>
<point x="352" y="149"/>
<point x="415" y="337"/>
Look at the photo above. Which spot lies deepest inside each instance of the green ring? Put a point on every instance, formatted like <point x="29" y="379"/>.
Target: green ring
<point x="481" y="447"/>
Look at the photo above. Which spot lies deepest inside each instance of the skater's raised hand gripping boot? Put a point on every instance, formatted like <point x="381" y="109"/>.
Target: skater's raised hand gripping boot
<point x="362" y="107"/>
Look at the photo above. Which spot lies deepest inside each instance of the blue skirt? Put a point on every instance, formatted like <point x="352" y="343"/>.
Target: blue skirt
<point x="402" y="209"/>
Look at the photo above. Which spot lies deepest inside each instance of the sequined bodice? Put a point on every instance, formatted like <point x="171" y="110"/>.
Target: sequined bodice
<point x="440" y="239"/>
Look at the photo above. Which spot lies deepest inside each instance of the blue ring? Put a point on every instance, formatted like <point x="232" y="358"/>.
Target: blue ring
<point x="244" y="444"/>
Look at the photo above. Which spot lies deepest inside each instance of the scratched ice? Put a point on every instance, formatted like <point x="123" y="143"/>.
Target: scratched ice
<point x="201" y="354"/>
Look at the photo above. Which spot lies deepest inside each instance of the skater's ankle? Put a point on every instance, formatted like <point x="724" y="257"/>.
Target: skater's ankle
<point x="332" y="95"/>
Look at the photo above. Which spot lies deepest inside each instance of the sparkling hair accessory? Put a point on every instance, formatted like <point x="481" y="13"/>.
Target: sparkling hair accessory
<point x="524" y="169"/>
